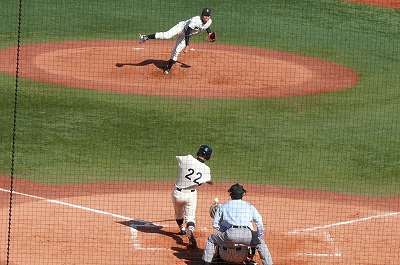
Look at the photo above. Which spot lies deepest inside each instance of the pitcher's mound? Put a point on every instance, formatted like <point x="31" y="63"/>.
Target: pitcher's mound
<point x="208" y="71"/>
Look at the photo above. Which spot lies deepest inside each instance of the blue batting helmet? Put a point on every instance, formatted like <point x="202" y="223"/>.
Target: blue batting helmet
<point x="205" y="151"/>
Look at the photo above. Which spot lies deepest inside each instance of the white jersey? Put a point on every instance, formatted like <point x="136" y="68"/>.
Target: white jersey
<point x="192" y="173"/>
<point x="197" y="25"/>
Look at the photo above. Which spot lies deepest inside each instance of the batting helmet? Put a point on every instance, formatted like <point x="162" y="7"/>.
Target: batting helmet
<point x="236" y="191"/>
<point x="205" y="151"/>
<point x="206" y="12"/>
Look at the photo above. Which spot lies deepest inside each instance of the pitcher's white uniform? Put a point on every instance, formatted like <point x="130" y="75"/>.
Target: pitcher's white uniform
<point x="184" y="29"/>
<point x="195" y="23"/>
<point x="192" y="173"/>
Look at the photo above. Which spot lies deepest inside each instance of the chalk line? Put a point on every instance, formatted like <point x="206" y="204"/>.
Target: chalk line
<point x="328" y="238"/>
<point x="345" y="222"/>
<point x="133" y="230"/>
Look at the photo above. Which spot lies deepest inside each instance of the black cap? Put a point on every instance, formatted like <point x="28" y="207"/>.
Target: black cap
<point x="236" y="191"/>
<point x="206" y="12"/>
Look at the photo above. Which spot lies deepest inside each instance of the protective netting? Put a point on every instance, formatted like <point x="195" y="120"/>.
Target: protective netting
<point x="122" y="124"/>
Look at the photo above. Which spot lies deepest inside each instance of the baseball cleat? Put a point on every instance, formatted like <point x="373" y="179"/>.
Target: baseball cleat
<point x="182" y="230"/>
<point x="142" y="38"/>
<point x="192" y="239"/>
<point x="166" y="71"/>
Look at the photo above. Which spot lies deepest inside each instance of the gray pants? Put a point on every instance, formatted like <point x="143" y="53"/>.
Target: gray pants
<point x="237" y="236"/>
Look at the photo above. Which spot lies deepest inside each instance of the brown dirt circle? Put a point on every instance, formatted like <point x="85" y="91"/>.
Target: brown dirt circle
<point x="101" y="224"/>
<point x="382" y="3"/>
<point x="208" y="71"/>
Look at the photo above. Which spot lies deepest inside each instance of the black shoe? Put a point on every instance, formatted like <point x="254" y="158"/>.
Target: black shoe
<point x="142" y="38"/>
<point x="192" y="239"/>
<point x="169" y="66"/>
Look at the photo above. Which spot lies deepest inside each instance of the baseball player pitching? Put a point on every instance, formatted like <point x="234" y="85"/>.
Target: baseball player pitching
<point x="184" y="30"/>
<point x="192" y="173"/>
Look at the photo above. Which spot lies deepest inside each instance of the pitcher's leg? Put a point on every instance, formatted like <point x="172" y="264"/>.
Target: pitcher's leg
<point x="180" y="44"/>
<point x="175" y="30"/>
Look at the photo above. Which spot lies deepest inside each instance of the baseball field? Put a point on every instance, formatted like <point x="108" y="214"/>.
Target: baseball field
<point x="299" y="100"/>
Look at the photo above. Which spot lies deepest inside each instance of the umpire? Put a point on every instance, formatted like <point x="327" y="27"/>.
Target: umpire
<point x="234" y="220"/>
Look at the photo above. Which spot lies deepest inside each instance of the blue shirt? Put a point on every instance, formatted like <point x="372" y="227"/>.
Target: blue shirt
<point x="240" y="213"/>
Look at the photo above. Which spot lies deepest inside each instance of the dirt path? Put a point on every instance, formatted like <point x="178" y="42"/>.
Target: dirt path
<point x="103" y="224"/>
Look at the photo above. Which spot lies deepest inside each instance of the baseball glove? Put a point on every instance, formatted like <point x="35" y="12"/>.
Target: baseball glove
<point x="213" y="209"/>
<point x="211" y="37"/>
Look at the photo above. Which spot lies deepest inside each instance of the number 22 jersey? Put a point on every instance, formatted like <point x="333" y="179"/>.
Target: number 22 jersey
<point x="192" y="173"/>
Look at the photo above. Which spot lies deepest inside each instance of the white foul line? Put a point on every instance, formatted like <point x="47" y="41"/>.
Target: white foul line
<point x="345" y="222"/>
<point x="328" y="237"/>
<point x="70" y="205"/>
<point x="133" y="230"/>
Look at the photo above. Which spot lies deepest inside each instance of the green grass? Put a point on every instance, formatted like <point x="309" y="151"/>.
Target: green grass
<point x="345" y="141"/>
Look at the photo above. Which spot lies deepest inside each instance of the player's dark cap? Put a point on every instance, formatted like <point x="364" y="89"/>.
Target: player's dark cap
<point x="206" y="12"/>
<point x="205" y="151"/>
<point x="236" y="191"/>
